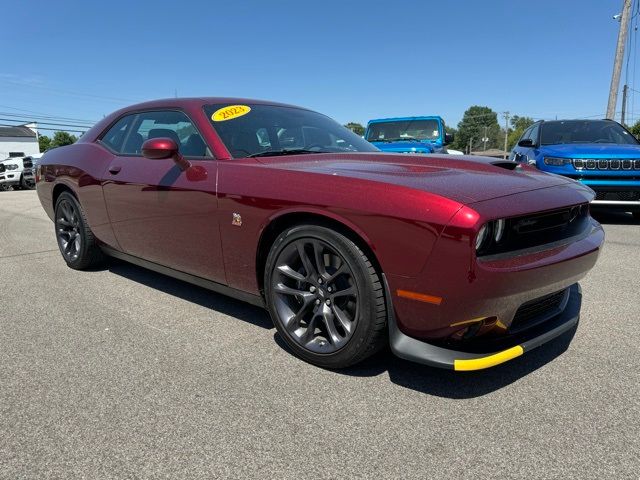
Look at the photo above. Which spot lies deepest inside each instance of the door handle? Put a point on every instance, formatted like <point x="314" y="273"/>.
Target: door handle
<point x="115" y="169"/>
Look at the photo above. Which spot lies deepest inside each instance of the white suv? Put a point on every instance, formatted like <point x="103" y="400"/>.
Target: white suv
<point x="18" y="172"/>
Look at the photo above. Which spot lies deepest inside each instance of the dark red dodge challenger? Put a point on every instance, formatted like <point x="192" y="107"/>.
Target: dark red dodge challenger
<point x="461" y="263"/>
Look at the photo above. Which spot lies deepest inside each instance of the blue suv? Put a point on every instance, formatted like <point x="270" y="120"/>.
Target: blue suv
<point x="408" y="134"/>
<point x="599" y="153"/>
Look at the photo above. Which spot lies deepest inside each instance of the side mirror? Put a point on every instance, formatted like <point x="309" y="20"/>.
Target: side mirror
<point x="161" y="148"/>
<point x="527" y="143"/>
<point x="448" y="138"/>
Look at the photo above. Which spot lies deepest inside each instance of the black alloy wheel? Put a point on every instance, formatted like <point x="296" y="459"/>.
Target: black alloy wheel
<point x="68" y="230"/>
<point x="76" y="241"/>
<point x="325" y="297"/>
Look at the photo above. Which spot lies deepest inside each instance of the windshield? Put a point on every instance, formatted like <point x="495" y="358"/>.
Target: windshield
<point x="404" y="130"/>
<point x="585" y="131"/>
<point x="263" y="130"/>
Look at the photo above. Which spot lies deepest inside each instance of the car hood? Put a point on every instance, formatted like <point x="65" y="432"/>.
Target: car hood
<point x="417" y="147"/>
<point x="591" y="150"/>
<point x="464" y="179"/>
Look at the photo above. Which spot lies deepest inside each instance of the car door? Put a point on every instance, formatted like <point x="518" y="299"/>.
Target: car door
<point x="159" y="212"/>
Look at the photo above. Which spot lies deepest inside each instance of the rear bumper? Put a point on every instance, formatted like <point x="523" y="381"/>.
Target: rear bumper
<point x="423" y="352"/>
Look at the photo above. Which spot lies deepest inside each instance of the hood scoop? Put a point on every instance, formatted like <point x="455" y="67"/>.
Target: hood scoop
<point x="506" y="164"/>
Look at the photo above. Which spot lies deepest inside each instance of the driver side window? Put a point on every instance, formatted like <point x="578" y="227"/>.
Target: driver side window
<point x="164" y="124"/>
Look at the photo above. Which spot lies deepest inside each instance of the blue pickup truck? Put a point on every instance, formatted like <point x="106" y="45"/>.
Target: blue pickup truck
<point x="599" y="153"/>
<point x="408" y="134"/>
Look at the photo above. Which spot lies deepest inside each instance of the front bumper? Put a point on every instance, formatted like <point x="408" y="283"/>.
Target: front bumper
<point x="10" y="178"/>
<point x="423" y="352"/>
<point x="619" y="193"/>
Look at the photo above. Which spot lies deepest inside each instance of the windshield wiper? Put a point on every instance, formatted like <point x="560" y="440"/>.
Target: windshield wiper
<point x="276" y="153"/>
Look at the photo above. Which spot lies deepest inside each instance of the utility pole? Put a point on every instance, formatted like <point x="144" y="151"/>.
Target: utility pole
<point x="506" y="133"/>
<point x="624" y="103"/>
<point x="485" y="139"/>
<point x="617" y="64"/>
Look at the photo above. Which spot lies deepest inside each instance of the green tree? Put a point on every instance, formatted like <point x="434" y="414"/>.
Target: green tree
<point x="44" y="142"/>
<point x="635" y="129"/>
<point x="518" y="126"/>
<point x="477" y="122"/>
<point x="61" y="139"/>
<point x="356" y="128"/>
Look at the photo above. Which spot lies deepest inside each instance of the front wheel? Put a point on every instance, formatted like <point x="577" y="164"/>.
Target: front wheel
<point x="27" y="184"/>
<point x="77" y="244"/>
<point x="325" y="297"/>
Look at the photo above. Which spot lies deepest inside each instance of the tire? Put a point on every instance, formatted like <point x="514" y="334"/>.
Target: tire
<point x="76" y="241"/>
<point x="329" y="307"/>
<point x="24" y="185"/>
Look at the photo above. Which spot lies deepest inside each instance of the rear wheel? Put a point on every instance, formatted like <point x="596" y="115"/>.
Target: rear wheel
<point x="76" y="241"/>
<point x="325" y="297"/>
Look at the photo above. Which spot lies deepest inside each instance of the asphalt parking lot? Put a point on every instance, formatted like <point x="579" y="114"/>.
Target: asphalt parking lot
<point x="125" y="373"/>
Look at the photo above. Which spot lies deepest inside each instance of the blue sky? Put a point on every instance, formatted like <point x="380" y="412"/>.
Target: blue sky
<point x="353" y="60"/>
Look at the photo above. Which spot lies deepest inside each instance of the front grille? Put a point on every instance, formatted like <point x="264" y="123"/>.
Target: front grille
<point x="27" y="163"/>
<point x="606" y="163"/>
<point x="619" y="196"/>
<point x="538" y="229"/>
<point x="537" y="311"/>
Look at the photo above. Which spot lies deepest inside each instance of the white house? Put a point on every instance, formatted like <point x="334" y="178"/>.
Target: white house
<point x="18" y="141"/>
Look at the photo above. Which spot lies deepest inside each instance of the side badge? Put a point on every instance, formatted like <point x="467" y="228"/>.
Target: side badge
<point x="237" y="220"/>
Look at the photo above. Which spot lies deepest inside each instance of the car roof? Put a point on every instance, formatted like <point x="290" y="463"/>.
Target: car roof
<point x="578" y="120"/>
<point x="405" y="119"/>
<point x="198" y="101"/>
<point x="188" y="103"/>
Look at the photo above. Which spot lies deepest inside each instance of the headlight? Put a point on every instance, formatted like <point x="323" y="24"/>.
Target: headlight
<point x="556" y="162"/>
<point x="490" y="233"/>
<point x="498" y="230"/>
<point x="482" y="237"/>
<point x="12" y="166"/>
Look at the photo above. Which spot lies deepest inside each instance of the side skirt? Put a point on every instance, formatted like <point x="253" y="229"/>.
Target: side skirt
<point x="186" y="277"/>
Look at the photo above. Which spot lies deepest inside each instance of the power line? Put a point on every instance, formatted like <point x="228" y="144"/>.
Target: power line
<point x="47" y="117"/>
<point x="47" y="123"/>
<point x="48" y="129"/>
<point x="38" y="119"/>
<point x="67" y="92"/>
<point x="33" y="112"/>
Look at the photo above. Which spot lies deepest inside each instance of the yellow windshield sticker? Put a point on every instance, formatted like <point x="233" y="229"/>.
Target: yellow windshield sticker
<point x="229" y="113"/>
